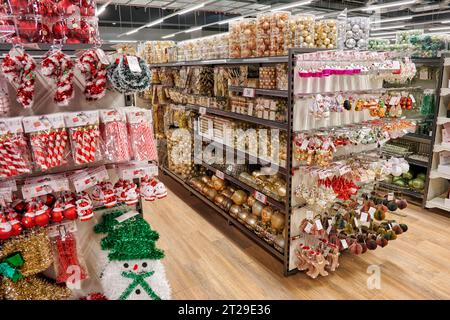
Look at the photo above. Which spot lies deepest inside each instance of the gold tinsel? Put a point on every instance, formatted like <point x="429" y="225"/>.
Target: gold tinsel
<point x="35" y="249"/>
<point x="33" y="288"/>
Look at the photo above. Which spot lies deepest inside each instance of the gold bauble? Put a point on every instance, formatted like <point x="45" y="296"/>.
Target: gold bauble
<point x="205" y="179"/>
<point x="242" y="215"/>
<point x="211" y="194"/>
<point x="239" y="197"/>
<point x="257" y="208"/>
<point x="205" y="189"/>
<point x="250" y="221"/>
<point x="235" y="210"/>
<point x="226" y="204"/>
<point x="251" y="200"/>
<point x="277" y="221"/>
<point x="266" y="214"/>
<point x="219" y="199"/>
<point x="227" y="193"/>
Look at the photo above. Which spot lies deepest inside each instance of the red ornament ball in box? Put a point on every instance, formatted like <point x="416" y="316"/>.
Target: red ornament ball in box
<point x="82" y="31"/>
<point x="28" y="29"/>
<point x="59" y="30"/>
<point x="67" y="7"/>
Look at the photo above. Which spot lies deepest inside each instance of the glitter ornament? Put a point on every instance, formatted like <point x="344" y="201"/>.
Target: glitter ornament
<point x="66" y="258"/>
<point x="19" y="69"/>
<point x="59" y="67"/>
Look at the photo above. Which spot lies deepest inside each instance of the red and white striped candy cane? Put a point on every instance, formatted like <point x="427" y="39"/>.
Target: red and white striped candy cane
<point x="39" y="154"/>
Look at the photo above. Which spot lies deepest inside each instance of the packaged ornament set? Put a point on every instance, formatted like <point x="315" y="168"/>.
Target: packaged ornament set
<point x="49" y="21"/>
<point x="42" y="143"/>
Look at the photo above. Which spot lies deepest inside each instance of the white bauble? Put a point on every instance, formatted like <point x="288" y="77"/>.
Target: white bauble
<point x="396" y="171"/>
<point x="405" y="166"/>
<point x="114" y="284"/>
<point x="394" y="160"/>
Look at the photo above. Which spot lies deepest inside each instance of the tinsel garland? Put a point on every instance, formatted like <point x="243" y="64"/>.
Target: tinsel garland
<point x="109" y="221"/>
<point x="60" y="68"/>
<point x="132" y="240"/>
<point x="124" y="80"/>
<point x="19" y="69"/>
<point x="32" y="288"/>
<point x="35" y="248"/>
<point x="94" y="72"/>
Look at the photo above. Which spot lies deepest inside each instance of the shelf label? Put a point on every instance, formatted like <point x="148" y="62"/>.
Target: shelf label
<point x="220" y="174"/>
<point x="309" y="215"/>
<point x="260" y="197"/>
<point x="133" y="64"/>
<point x="249" y="92"/>
<point x="319" y="225"/>
<point x="372" y="211"/>
<point x="308" y="228"/>
<point x="344" y="243"/>
<point x="363" y="217"/>
<point x="390" y="196"/>
<point x="202" y="110"/>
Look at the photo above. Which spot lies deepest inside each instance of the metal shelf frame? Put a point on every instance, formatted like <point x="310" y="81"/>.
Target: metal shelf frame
<point x="262" y="92"/>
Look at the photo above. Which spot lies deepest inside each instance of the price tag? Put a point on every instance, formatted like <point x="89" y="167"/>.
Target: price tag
<point x="202" y="110"/>
<point x="309" y="215"/>
<point x="329" y="227"/>
<point x="319" y="225"/>
<point x="102" y="56"/>
<point x="413" y="100"/>
<point x="390" y="196"/>
<point x="126" y="216"/>
<point x="260" y="197"/>
<point x="220" y="174"/>
<point x="423" y="74"/>
<point x="372" y="211"/>
<point x="133" y="64"/>
<point x="249" y="92"/>
<point x="396" y="64"/>
<point x="356" y="222"/>
<point x="363" y="216"/>
<point x="308" y="227"/>
<point x="344" y="243"/>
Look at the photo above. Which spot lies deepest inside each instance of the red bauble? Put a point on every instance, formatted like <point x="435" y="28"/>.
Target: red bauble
<point x="21" y="6"/>
<point x="48" y="200"/>
<point x="43" y="34"/>
<point x="82" y="32"/>
<point x="16" y="228"/>
<point x="59" y="30"/>
<point x="70" y="212"/>
<point x="66" y="7"/>
<point x="28" y="221"/>
<point x="20" y="206"/>
<point x="28" y="29"/>
<point x="41" y="219"/>
<point x="72" y="40"/>
<point x="5" y="228"/>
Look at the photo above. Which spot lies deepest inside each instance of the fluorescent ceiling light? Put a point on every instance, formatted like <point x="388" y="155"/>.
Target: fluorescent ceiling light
<point x="168" y="36"/>
<point x="122" y="41"/>
<point x="292" y="5"/>
<point x="445" y="21"/>
<point x="201" y="5"/>
<point x="193" y="29"/>
<point x="440" y="28"/>
<point x="392" y="19"/>
<point x="134" y="31"/>
<point x="154" y="23"/>
<point x="382" y="34"/>
<point x="389" y="27"/>
<point x="229" y="20"/>
<point x="387" y="5"/>
<point x="102" y="9"/>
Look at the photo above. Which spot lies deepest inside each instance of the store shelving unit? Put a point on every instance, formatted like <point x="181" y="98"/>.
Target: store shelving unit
<point x="437" y="184"/>
<point x="283" y="168"/>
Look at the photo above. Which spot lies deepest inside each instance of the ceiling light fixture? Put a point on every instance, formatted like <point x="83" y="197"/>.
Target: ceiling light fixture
<point x="102" y="9"/>
<point x="392" y="19"/>
<point x="201" y="5"/>
<point x="440" y="28"/>
<point x="134" y="30"/>
<point x="389" y="28"/>
<point x="154" y="23"/>
<point x="445" y="21"/>
<point x="292" y="5"/>
<point x="387" y="5"/>
<point x="168" y="36"/>
<point x="229" y="20"/>
<point x="193" y="29"/>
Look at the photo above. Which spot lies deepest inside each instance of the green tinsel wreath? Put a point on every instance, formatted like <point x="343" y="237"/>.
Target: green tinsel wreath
<point x="109" y="221"/>
<point x="124" y="80"/>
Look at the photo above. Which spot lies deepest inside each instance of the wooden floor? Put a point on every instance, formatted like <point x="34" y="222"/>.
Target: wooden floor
<point x="208" y="259"/>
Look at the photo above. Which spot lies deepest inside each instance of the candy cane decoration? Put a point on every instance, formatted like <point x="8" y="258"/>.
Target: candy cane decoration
<point x="19" y="69"/>
<point x="94" y="72"/>
<point x="39" y="155"/>
<point x="60" y="68"/>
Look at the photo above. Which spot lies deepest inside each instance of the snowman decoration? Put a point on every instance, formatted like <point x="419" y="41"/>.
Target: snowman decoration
<point x="134" y="270"/>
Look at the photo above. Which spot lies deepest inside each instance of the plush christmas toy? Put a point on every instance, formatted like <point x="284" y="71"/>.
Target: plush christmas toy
<point x="94" y="71"/>
<point x="134" y="271"/>
<point x="19" y="69"/>
<point x="60" y="68"/>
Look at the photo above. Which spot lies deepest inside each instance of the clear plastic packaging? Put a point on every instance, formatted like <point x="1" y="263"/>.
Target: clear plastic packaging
<point x="248" y="38"/>
<point x="221" y="46"/>
<point x="267" y="77"/>
<point x="263" y="33"/>
<point x="357" y="33"/>
<point x="282" y="76"/>
<point x="404" y="37"/>
<point x="302" y="29"/>
<point x="84" y="133"/>
<point x="5" y="105"/>
<point x="114" y="134"/>
<point x="15" y="158"/>
<point x="140" y="132"/>
<point x="279" y="39"/>
<point x="326" y="34"/>
<point x="234" y="42"/>
<point x="49" y="140"/>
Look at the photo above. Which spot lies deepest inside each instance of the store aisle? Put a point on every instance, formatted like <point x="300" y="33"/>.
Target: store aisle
<point x="208" y="259"/>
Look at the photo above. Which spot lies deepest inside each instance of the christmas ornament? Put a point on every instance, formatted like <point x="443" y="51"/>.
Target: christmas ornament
<point x="60" y="30"/>
<point x="66" y="258"/>
<point x="5" y="228"/>
<point x="130" y="195"/>
<point x="41" y="217"/>
<point x="58" y="67"/>
<point x="115" y="137"/>
<point x="16" y="226"/>
<point x="127" y="79"/>
<point x="57" y="211"/>
<point x="70" y="210"/>
<point x="85" y="144"/>
<point x="140" y="135"/>
<point x="134" y="271"/>
<point x="28" y="217"/>
<point x="84" y="207"/>
<point x="94" y="71"/>
<point x="19" y="69"/>
<point x="49" y="148"/>
<point x="15" y="159"/>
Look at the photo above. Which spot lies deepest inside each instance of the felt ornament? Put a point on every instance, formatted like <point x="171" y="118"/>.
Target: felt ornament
<point x="19" y="69"/>
<point x="60" y="68"/>
<point x="94" y="71"/>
